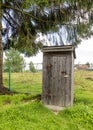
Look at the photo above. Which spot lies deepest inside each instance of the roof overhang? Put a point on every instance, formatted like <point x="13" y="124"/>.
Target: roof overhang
<point x="65" y="48"/>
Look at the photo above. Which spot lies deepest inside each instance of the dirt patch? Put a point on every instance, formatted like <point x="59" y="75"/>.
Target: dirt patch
<point x="89" y="78"/>
<point x="5" y="91"/>
<point x="6" y="102"/>
<point x="32" y="99"/>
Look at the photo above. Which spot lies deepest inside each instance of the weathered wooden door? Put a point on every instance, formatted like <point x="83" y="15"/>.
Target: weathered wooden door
<point x="57" y="80"/>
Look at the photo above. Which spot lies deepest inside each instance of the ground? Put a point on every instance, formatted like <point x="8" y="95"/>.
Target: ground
<point x="5" y="91"/>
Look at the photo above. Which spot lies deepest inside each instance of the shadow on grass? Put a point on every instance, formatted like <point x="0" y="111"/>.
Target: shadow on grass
<point x="31" y="98"/>
<point x="83" y="100"/>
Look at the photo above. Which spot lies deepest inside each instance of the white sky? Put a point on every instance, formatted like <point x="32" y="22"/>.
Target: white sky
<point x="35" y="59"/>
<point x="84" y="53"/>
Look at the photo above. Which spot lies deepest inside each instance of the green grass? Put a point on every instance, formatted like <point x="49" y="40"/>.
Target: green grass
<point x="26" y="82"/>
<point x="24" y="112"/>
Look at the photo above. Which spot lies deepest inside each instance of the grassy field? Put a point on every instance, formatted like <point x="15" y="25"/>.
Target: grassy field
<point x="25" y="112"/>
<point x="26" y="82"/>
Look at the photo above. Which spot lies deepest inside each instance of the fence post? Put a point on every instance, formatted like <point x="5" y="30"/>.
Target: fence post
<point x="9" y="77"/>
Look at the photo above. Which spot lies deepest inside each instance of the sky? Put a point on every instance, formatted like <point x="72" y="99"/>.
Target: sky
<point x="84" y="53"/>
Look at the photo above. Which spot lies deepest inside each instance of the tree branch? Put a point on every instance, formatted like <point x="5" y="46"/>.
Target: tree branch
<point x="23" y="12"/>
<point x="11" y="18"/>
<point x="8" y="21"/>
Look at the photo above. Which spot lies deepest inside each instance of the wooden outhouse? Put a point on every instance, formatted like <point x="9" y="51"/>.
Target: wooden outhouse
<point x="58" y="67"/>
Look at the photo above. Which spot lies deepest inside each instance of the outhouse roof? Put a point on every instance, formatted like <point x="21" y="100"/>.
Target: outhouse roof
<point x="65" y="48"/>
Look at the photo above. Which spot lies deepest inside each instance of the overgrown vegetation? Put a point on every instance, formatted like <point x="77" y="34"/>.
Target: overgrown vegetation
<point x="26" y="112"/>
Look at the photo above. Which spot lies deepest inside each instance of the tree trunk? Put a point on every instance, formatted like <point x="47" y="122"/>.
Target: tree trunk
<point x="1" y="49"/>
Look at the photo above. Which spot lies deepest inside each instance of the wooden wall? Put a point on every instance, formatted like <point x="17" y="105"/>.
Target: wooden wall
<point x="58" y="78"/>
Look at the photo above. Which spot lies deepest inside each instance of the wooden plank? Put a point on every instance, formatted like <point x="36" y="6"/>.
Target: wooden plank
<point x="47" y="75"/>
<point x="44" y="79"/>
<point x="72" y="78"/>
<point x="48" y="81"/>
<point x="58" y="48"/>
<point x="49" y="70"/>
<point x="57" y="88"/>
<point x="60" y="87"/>
<point x="54" y="80"/>
<point x="67" y="81"/>
<point x="61" y="81"/>
<point x="58" y="82"/>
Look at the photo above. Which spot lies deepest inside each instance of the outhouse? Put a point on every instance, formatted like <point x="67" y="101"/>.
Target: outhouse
<point x="58" y="67"/>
